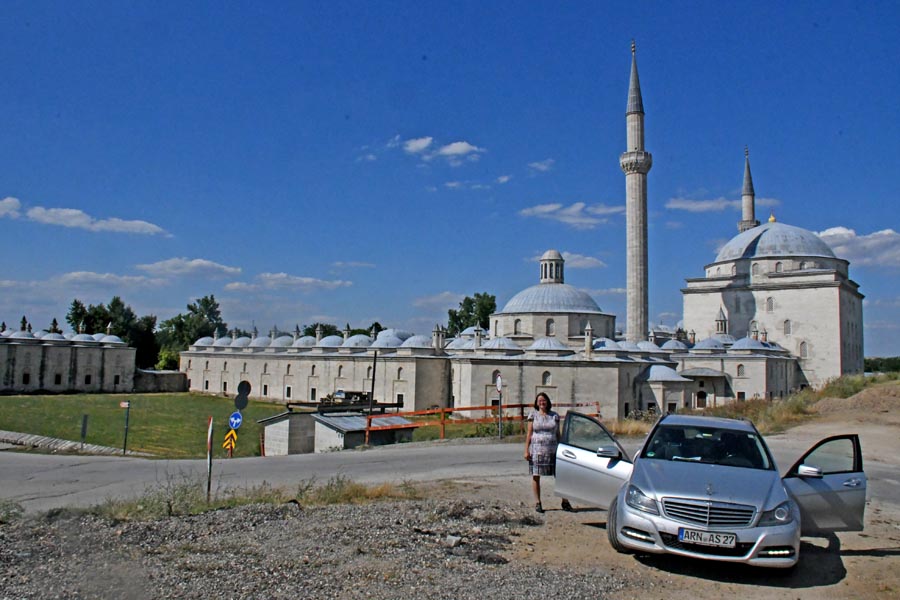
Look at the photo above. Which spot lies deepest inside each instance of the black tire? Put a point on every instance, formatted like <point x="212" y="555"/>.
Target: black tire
<point x="612" y="527"/>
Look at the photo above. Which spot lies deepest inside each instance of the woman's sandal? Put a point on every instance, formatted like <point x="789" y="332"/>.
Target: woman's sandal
<point x="566" y="506"/>
<point x="538" y="508"/>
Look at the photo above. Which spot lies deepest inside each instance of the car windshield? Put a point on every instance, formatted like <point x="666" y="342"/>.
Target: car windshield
<point x="711" y="445"/>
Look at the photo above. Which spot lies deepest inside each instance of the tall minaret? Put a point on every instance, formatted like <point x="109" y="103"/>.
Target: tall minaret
<point x="748" y="198"/>
<point x="636" y="164"/>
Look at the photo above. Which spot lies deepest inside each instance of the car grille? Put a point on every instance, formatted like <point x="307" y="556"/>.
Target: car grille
<point x="708" y="513"/>
<point x="671" y="541"/>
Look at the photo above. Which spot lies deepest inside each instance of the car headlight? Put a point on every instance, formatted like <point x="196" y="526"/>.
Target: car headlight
<point x="780" y="515"/>
<point x="638" y="500"/>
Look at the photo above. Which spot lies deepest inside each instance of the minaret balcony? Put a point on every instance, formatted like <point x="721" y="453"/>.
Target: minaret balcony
<point x="636" y="162"/>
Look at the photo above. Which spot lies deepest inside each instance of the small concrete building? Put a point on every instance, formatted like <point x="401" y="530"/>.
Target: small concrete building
<point x="342" y="431"/>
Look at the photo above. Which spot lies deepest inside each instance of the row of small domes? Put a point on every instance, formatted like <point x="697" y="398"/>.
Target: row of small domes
<point x="61" y="337"/>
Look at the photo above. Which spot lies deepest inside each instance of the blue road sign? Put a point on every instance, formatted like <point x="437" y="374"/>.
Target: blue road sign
<point x="235" y="419"/>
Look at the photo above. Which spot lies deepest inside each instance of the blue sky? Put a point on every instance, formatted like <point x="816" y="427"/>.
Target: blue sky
<point x="359" y="161"/>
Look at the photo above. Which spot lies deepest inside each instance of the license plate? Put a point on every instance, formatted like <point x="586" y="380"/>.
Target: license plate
<point x="706" y="538"/>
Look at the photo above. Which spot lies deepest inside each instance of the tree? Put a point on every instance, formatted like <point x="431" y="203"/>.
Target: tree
<point x="327" y="329"/>
<point x="202" y="319"/>
<point x="472" y="311"/>
<point x="121" y="320"/>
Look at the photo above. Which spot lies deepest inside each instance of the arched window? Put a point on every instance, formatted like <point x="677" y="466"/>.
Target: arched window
<point x="741" y="372"/>
<point x="787" y="327"/>
<point x="225" y="366"/>
<point x="551" y="327"/>
<point x="207" y="365"/>
<point x="517" y="326"/>
<point x="804" y="350"/>
<point x="494" y="376"/>
<point x="803" y="265"/>
<point x="245" y="368"/>
<point x="496" y="328"/>
<point x="734" y="269"/>
<point x="369" y="373"/>
<point x="770" y="304"/>
<point x="755" y="269"/>
<point x="265" y="368"/>
<point x="288" y="370"/>
<point x="400" y="373"/>
<point x="312" y="370"/>
<point x="779" y="267"/>
<point x="340" y="370"/>
<point x="546" y="378"/>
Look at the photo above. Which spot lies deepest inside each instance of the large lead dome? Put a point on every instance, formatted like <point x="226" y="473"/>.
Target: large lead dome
<point x="551" y="297"/>
<point x="774" y="239"/>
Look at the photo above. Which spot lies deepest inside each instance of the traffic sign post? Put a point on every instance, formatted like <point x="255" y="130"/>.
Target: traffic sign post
<point x="230" y="442"/>
<point x="500" y="407"/>
<point x="209" y="442"/>
<point x="235" y="420"/>
<point x="127" y="406"/>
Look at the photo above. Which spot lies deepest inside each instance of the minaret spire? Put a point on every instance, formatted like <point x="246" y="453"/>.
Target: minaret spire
<point x="748" y="197"/>
<point x="636" y="163"/>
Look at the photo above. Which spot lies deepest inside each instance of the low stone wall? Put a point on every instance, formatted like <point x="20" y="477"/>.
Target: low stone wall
<point x="159" y="381"/>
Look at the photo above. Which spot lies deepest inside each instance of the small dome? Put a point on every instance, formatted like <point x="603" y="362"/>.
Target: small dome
<point x="331" y="341"/>
<point x="417" y="341"/>
<point x="283" y="341"/>
<point x="399" y="333"/>
<point x="307" y="341"/>
<point x="112" y="339"/>
<point x="774" y="239"/>
<point x="83" y="337"/>
<point x="552" y="255"/>
<point x="674" y="345"/>
<point x="241" y="342"/>
<point x="629" y="346"/>
<point x="548" y="343"/>
<point x="470" y="331"/>
<point x="99" y="336"/>
<point x="500" y="343"/>
<point x="261" y="342"/>
<point x="54" y="336"/>
<point x="69" y="335"/>
<point x="205" y="341"/>
<point x="22" y="335"/>
<point x="222" y="342"/>
<point x="725" y="338"/>
<point x="648" y="346"/>
<point x="606" y="344"/>
<point x="459" y="344"/>
<point x="387" y="341"/>
<point x="357" y="341"/>
<point x="551" y="298"/>
<point x="748" y="343"/>
<point x="661" y="373"/>
<point x="709" y="344"/>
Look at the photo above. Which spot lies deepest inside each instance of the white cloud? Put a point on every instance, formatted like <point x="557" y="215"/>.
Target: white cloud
<point x="458" y="149"/>
<point x="9" y="207"/>
<point x="393" y="142"/>
<point x="504" y="178"/>
<point x="196" y="267"/>
<point x="606" y="292"/>
<point x="439" y="301"/>
<point x="881" y="248"/>
<point x="543" y="165"/>
<point x="73" y="217"/>
<point x="453" y="185"/>
<point x="603" y="209"/>
<point x="416" y="145"/>
<point x="575" y="215"/>
<point x="367" y="158"/>
<point x="240" y="286"/>
<point x="91" y="279"/>
<point x="579" y="261"/>
<point x="271" y="281"/>
<point x="714" y="205"/>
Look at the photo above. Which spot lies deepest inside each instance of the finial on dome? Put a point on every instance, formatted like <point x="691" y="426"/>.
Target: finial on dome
<point x="747" y="151"/>
<point x="771" y="217"/>
<point x="633" y="46"/>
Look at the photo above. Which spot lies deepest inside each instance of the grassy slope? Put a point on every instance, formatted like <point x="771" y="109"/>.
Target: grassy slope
<point x="170" y="425"/>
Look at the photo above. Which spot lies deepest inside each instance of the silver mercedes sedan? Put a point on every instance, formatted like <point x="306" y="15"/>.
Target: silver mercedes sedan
<point x="708" y="487"/>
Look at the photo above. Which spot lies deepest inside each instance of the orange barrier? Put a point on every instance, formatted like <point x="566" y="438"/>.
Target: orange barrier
<point x="442" y="413"/>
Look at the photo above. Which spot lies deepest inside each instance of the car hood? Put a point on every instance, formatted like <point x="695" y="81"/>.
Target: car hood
<point x="661" y="478"/>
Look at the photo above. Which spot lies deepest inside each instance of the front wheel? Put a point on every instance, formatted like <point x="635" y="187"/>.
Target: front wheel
<point x="612" y="527"/>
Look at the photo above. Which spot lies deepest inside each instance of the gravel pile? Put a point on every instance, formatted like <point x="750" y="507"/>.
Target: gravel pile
<point x="412" y="549"/>
<point x="881" y="398"/>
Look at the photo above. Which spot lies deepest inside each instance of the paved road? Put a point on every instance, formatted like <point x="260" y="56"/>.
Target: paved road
<point x="42" y="481"/>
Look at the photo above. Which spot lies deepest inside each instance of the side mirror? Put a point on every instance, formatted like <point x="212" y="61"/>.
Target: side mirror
<point x="809" y="471"/>
<point x="609" y="452"/>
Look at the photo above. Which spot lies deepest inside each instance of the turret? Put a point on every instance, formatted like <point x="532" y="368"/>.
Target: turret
<point x="748" y="197"/>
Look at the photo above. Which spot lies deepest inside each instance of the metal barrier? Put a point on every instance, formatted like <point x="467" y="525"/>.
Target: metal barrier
<point x="442" y="420"/>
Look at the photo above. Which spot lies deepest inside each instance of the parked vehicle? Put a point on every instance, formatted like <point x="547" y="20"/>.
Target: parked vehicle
<point x="709" y="488"/>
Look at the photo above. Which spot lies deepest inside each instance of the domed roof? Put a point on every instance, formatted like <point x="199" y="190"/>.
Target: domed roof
<point x="548" y="343"/>
<point x="357" y="341"/>
<point x="674" y="345"/>
<point x="774" y="239"/>
<point x="307" y="341"/>
<point x="99" y="336"/>
<point x="387" y="341"/>
<point x="54" y="336"/>
<point x="551" y="298"/>
<point x="261" y="342"/>
<point x="629" y="346"/>
<point x="205" y="341"/>
<point x="648" y="346"/>
<point x="283" y="341"/>
<point x="709" y="344"/>
<point x="552" y="255"/>
<point x="241" y="342"/>
<point x="399" y="333"/>
<point x="460" y="343"/>
<point x="661" y="373"/>
<point x="222" y="342"/>
<point x="331" y="341"/>
<point x="23" y="335"/>
<point x="501" y="343"/>
<point x="606" y="344"/>
<point x="83" y="337"/>
<point x="112" y="339"/>
<point x="470" y="331"/>
<point x="748" y="343"/>
<point x="417" y="341"/>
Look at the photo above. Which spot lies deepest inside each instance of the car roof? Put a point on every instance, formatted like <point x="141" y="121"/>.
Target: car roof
<point x="700" y="421"/>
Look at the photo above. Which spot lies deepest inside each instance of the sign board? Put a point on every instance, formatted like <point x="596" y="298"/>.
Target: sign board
<point x="230" y="440"/>
<point x="235" y="420"/>
<point x="124" y="404"/>
<point x="499" y="384"/>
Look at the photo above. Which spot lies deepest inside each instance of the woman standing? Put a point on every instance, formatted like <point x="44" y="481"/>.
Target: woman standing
<point x="540" y="446"/>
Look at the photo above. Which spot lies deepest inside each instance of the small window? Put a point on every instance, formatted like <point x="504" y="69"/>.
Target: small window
<point x="517" y="327"/>
<point x="207" y="365"/>
<point x="341" y="371"/>
<point x="265" y="390"/>
<point x="287" y="392"/>
<point x="312" y="394"/>
<point x="803" y="265"/>
<point x="496" y="328"/>
<point x="734" y="269"/>
<point x="26" y="378"/>
<point x="312" y="370"/>
<point x="671" y="408"/>
<point x="701" y="384"/>
<point x="741" y="396"/>
<point x="787" y="327"/>
<point x="224" y="386"/>
<point x="770" y="304"/>
<point x="245" y="368"/>
<point x="57" y="379"/>
<point x="369" y="373"/>
<point x="190" y="362"/>
<point x="116" y="380"/>
<point x="400" y="373"/>
<point x="551" y="328"/>
<point x="718" y="271"/>
<point x="741" y="371"/>
<point x="225" y="366"/>
<point x="804" y="350"/>
<point x="206" y="384"/>
<point x="400" y="399"/>
<point x="755" y="269"/>
<point x="287" y="370"/>
<point x="546" y="378"/>
<point x="494" y="376"/>
<point x="265" y="368"/>
<point x="779" y="267"/>
<point x="87" y="380"/>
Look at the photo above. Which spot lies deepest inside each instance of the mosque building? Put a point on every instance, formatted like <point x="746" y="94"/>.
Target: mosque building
<point x="776" y="311"/>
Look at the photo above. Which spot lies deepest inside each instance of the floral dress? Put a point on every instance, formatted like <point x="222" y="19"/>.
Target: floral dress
<point x="544" y="439"/>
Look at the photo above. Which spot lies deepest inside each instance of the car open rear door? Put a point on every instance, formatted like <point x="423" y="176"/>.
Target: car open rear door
<point x="829" y="485"/>
<point x="590" y="464"/>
